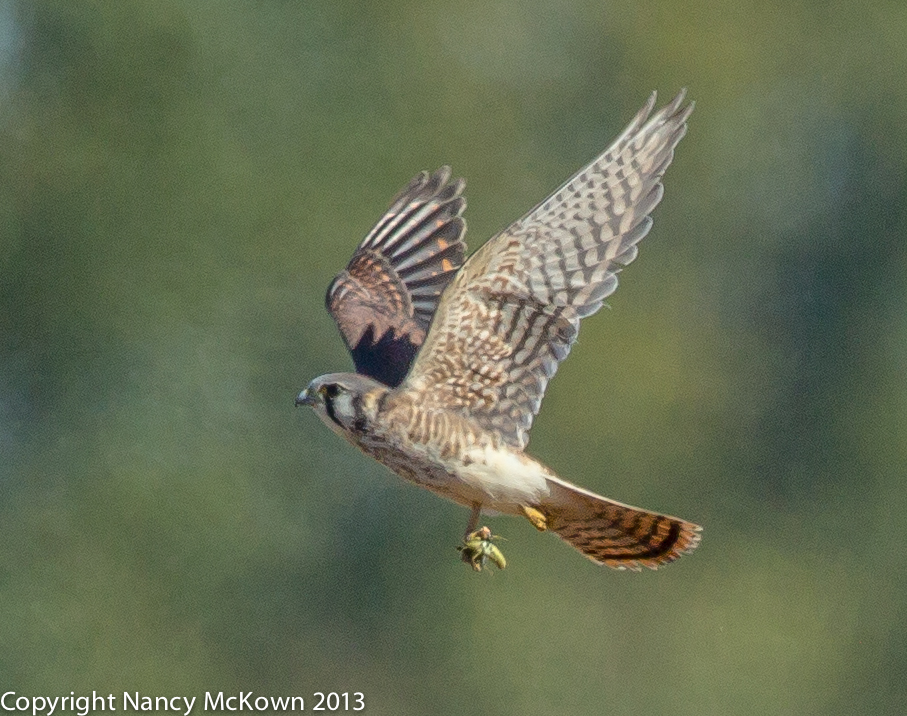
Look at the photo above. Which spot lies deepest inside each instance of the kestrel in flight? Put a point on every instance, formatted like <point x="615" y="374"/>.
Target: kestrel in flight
<point x="453" y="356"/>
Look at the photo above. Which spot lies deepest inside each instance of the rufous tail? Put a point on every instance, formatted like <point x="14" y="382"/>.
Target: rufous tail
<point x="615" y="535"/>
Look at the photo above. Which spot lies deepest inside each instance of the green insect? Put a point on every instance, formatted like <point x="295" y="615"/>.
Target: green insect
<point x="477" y="549"/>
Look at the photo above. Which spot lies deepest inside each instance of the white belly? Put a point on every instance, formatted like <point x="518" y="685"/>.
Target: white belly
<point x="506" y="479"/>
<point x="498" y="479"/>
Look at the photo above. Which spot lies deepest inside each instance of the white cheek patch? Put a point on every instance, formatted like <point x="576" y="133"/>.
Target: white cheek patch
<point x="343" y="408"/>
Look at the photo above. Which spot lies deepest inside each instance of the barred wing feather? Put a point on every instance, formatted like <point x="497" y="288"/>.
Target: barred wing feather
<point x="513" y="311"/>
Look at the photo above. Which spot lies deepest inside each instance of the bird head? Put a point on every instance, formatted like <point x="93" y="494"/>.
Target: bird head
<point x="345" y="402"/>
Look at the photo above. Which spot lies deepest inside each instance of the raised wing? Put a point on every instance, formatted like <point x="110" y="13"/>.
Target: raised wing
<point x="513" y="311"/>
<point x="384" y="301"/>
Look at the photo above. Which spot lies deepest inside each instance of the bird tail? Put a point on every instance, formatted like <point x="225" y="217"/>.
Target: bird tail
<point x="610" y="533"/>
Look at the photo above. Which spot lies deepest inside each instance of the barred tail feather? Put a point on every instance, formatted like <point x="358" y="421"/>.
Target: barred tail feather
<point x="615" y="535"/>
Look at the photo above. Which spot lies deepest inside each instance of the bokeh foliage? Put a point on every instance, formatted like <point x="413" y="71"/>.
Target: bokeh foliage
<point x="179" y="181"/>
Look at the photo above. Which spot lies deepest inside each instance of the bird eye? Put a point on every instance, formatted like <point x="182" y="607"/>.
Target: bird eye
<point x="331" y="390"/>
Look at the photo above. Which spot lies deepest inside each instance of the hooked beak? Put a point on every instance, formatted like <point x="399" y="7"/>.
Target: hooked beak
<point x="304" y="398"/>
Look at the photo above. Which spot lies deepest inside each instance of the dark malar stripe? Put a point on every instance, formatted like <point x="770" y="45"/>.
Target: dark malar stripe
<point x="329" y="409"/>
<point x="360" y="422"/>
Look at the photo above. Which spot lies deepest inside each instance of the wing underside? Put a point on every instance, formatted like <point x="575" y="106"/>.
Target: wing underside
<point x="384" y="301"/>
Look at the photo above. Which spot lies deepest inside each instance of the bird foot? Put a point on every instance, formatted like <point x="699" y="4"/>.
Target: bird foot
<point x="538" y="520"/>
<point x="478" y="548"/>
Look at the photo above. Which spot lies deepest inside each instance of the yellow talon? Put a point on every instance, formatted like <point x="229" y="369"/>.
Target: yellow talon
<point x="538" y="520"/>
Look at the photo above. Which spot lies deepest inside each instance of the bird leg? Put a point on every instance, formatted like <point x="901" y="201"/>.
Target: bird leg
<point x="538" y="520"/>
<point x="473" y="519"/>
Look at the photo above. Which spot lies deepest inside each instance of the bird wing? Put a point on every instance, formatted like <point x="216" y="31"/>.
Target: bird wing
<point x="383" y="302"/>
<point x="513" y="311"/>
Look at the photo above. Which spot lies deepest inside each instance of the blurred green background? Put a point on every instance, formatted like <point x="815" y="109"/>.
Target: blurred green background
<point x="180" y="180"/>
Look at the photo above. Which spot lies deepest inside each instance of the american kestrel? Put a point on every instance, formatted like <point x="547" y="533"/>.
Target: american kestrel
<point x="453" y="356"/>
